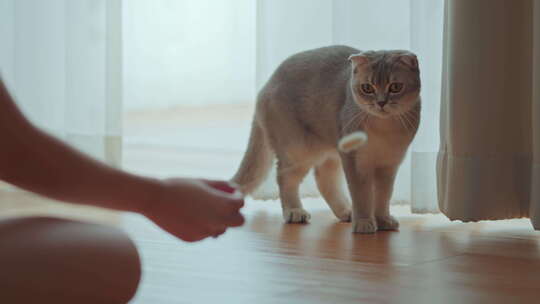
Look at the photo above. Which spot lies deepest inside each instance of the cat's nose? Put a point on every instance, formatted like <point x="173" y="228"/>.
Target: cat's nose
<point x="382" y="103"/>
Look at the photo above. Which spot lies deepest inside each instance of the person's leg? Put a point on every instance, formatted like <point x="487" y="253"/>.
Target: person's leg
<point x="48" y="260"/>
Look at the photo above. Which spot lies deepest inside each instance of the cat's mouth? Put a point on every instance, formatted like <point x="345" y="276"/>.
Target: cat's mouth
<point x="382" y="113"/>
<point x="379" y="112"/>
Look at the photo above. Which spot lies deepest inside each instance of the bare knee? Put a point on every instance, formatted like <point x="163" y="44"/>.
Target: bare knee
<point x="49" y="260"/>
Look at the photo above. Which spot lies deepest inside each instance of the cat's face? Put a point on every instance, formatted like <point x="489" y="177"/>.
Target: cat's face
<point x="385" y="83"/>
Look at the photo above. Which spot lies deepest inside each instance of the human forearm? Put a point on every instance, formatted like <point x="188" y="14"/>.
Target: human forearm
<point x="41" y="164"/>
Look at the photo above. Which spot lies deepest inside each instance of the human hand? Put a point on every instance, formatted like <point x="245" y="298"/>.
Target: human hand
<point x="194" y="209"/>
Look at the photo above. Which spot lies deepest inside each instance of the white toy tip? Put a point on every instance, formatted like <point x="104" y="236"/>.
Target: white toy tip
<point x="353" y="141"/>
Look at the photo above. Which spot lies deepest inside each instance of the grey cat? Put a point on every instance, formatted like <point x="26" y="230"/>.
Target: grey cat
<point x="313" y="99"/>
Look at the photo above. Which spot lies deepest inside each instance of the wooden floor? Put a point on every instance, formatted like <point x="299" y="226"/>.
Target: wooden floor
<point x="430" y="260"/>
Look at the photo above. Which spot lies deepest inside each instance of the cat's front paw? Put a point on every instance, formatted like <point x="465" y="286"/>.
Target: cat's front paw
<point x="387" y="223"/>
<point x="345" y="215"/>
<point x="296" y="215"/>
<point x="364" y="225"/>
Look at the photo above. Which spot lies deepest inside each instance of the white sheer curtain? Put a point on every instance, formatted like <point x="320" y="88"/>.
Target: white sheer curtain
<point x="285" y="27"/>
<point x="188" y="52"/>
<point x="65" y="61"/>
<point x="426" y="34"/>
<point x="62" y="61"/>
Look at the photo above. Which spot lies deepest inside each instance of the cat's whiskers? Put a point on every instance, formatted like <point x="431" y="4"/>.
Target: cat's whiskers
<point x="367" y="120"/>
<point x="399" y="117"/>
<point x="350" y="122"/>
<point x="406" y="121"/>
<point x="413" y="116"/>
<point x="411" y="119"/>
<point x="359" y="118"/>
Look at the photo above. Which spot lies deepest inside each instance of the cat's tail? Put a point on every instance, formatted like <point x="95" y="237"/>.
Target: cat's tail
<point x="256" y="163"/>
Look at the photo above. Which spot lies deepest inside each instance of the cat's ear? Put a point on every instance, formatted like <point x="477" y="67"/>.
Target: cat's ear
<point x="410" y="60"/>
<point x="358" y="59"/>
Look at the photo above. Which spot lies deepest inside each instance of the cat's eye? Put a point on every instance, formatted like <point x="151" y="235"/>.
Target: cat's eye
<point x="395" y="87"/>
<point x="367" y="88"/>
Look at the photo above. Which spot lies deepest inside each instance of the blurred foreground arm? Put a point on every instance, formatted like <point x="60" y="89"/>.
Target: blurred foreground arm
<point x="35" y="161"/>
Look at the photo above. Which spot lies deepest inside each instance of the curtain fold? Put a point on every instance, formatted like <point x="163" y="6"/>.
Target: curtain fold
<point x="488" y="134"/>
<point x="535" y="195"/>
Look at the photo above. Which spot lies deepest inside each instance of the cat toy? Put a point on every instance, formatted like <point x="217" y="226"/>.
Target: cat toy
<point x="352" y="142"/>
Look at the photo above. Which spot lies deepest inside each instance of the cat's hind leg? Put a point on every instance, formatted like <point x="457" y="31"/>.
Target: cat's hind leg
<point x="289" y="176"/>
<point x="328" y="175"/>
